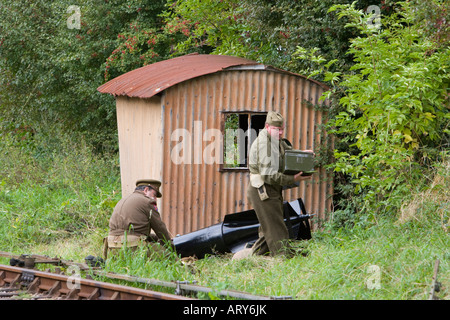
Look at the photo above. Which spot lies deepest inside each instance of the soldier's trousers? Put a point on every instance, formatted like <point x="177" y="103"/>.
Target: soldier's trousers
<point x="273" y="233"/>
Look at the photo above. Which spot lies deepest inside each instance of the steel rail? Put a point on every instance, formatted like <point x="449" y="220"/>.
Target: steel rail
<point x="181" y="286"/>
<point x="74" y="288"/>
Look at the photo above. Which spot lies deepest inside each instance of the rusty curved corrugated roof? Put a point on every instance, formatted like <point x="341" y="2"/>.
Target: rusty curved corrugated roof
<point x="150" y="80"/>
<point x="145" y="82"/>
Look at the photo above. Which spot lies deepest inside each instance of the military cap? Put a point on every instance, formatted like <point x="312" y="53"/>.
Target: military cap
<point x="154" y="184"/>
<point x="274" y="119"/>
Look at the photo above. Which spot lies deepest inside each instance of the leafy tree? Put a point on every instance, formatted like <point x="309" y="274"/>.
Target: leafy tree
<point x="50" y="66"/>
<point x="265" y="30"/>
<point x="395" y="116"/>
<point x="141" y="41"/>
<point x="219" y="27"/>
<point x="287" y="24"/>
<point x="210" y="26"/>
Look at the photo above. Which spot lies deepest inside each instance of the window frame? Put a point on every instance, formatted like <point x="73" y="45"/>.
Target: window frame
<point x="224" y="115"/>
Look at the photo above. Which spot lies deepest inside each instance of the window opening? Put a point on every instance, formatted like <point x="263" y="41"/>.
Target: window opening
<point x="241" y="129"/>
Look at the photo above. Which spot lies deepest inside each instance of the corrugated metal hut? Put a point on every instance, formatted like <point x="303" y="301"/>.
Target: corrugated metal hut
<point x="172" y="118"/>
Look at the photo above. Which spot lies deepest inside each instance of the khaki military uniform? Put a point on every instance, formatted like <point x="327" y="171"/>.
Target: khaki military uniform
<point x="264" y="193"/>
<point x="136" y="217"/>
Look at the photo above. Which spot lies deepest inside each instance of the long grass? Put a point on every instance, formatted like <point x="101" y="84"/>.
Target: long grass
<point x="57" y="201"/>
<point x="53" y="191"/>
<point x="338" y="266"/>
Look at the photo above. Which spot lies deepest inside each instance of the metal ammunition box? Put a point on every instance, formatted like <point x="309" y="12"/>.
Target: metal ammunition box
<point x="295" y="161"/>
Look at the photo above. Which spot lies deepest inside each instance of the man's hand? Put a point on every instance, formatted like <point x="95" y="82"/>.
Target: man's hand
<point x="299" y="177"/>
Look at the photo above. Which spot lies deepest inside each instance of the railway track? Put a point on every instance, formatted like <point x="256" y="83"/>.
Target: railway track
<point x="23" y="283"/>
<point x="13" y="282"/>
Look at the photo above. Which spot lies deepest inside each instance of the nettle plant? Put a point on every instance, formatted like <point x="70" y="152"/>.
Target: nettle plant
<point x="393" y="104"/>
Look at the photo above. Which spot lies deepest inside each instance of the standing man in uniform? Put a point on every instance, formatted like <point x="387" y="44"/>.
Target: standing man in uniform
<point x="135" y="216"/>
<point x="266" y="183"/>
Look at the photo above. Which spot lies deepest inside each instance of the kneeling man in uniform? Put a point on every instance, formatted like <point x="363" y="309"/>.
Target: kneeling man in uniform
<point x="135" y="217"/>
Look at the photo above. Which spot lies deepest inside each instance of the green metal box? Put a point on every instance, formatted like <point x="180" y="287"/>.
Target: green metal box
<point x="296" y="160"/>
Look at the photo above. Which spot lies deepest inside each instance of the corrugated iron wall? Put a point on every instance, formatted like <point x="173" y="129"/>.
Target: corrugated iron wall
<point x="199" y="195"/>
